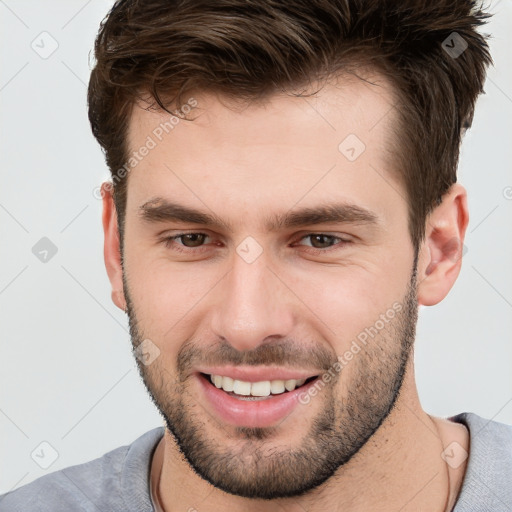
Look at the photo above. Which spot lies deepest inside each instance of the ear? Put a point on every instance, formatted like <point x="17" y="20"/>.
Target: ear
<point x="111" y="250"/>
<point x="441" y="252"/>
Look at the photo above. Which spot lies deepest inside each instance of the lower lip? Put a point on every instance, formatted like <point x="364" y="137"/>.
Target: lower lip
<point x="252" y="413"/>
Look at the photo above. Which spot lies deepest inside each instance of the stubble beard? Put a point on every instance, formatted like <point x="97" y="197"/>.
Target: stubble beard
<point x="249" y="462"/>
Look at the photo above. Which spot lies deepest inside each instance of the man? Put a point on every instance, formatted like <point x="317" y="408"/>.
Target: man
<point x="283" y="198"/>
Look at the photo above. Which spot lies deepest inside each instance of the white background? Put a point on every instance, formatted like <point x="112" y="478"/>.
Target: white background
<point x="66" y="371"/>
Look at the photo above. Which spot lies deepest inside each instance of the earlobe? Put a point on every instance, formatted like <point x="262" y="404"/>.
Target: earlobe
<point x="111" y="249"/>
<point x="441" y="251"/>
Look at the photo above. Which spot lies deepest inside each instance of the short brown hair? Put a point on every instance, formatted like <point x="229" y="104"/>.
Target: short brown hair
<point x="249" y="49"/>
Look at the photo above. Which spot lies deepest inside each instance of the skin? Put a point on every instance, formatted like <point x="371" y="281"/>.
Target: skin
<point x="244" y="163"/>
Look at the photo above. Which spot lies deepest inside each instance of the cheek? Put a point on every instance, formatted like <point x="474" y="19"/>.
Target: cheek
<point x="173" y="300"/>
<point x="347" y="300"/>
<point x="167" y="295"/>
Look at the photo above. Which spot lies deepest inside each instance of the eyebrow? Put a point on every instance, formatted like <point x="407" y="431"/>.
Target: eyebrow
<point x="161" y="210"/>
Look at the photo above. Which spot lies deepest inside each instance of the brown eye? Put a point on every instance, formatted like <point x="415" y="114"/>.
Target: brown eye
<point x="192" y="239"/>
<point x="182" y="242"/>
<point x="321" y="241"/>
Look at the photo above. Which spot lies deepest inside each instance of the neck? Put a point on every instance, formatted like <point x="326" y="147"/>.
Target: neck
<point x="399" y="468"/>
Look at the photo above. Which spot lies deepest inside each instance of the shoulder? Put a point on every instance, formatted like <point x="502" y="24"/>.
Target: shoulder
<point x="488" y="480"/>
<point x="110" y="482"/>
<point x="488" y="437"/>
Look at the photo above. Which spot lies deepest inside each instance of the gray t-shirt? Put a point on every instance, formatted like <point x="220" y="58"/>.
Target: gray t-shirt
<point x="119" y="480"/>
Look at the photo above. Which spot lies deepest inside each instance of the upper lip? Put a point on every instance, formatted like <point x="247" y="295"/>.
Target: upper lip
<point x="258" y="374"/>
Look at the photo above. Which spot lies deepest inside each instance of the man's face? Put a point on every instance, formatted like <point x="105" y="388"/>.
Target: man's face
<point x="271" y="292"/>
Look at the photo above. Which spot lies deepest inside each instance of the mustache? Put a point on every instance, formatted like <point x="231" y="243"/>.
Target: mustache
<point x="286" y="353"/>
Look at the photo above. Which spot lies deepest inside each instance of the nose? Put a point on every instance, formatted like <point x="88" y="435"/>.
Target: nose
<point x="253" y="305"/>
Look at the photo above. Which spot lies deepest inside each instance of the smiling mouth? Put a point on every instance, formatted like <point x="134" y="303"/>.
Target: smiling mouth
<point x="262" y="390"/>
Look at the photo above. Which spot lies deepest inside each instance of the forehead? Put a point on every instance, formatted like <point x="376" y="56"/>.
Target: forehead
<point x="345" y="103"/>
<point x="329" y="145"/>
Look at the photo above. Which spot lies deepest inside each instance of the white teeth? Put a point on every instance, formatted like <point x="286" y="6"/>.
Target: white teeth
<point x="290" y="384"/>
<point x="260" y="388"/>
<point x="228" y="384"/>
<point x="263" y="388"/>
<point x="277" y="387"/>
<point x="241" y="388"/>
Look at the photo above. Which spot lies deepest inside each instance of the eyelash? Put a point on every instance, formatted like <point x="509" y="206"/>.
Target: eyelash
<point x="168" y="243"/>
